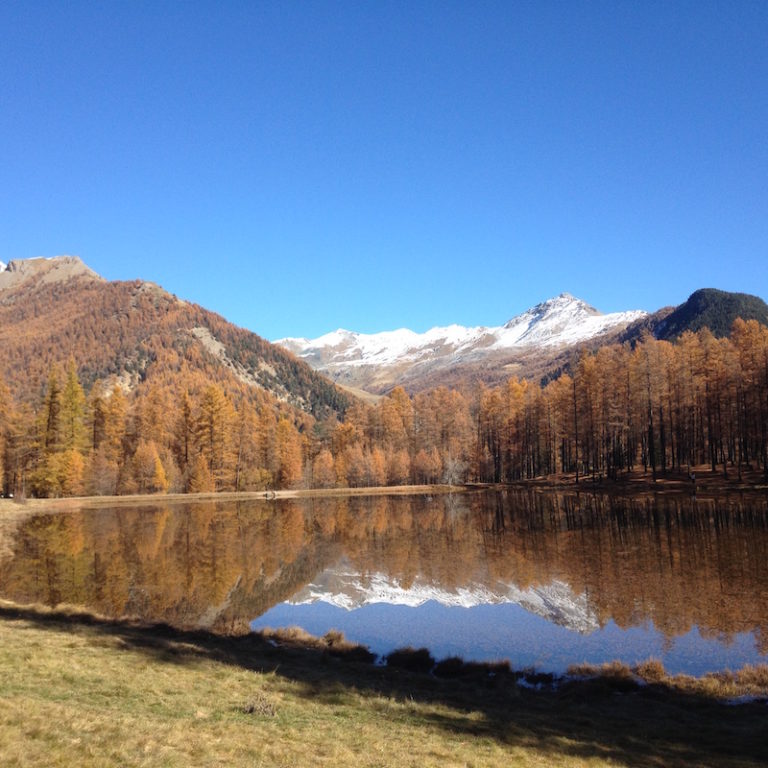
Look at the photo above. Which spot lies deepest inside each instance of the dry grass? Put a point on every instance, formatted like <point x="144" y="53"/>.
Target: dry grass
<point x="82" y="691"/>
<point x="748" y="682"/>
<point x="332" y="643"/>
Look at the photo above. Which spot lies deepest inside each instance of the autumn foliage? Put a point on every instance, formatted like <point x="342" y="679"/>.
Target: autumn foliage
<point x="658" y="406"/>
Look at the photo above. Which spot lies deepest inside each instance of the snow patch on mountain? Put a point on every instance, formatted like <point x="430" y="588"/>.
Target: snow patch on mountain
<point x="561" y="321"/>
<point x="347" y="589"/>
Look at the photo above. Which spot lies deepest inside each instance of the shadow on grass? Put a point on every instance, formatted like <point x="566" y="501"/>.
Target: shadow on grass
<point x="610" y="718"/>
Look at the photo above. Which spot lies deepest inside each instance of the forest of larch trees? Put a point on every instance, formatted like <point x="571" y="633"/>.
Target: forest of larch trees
<point x="658" y="407"/>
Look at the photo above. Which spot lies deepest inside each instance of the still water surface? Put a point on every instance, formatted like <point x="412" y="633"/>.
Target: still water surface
<point x="542" y="579"/>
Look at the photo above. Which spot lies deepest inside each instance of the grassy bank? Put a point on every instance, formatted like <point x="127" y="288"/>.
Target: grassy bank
<point x="81" y="691"/>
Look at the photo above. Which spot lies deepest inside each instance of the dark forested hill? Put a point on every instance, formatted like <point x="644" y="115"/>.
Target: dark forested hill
<point x="713" y="309"/>
<point x="705" y="308"/>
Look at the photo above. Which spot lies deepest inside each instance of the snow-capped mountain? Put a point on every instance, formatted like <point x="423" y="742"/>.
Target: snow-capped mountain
<point x="378" y="360"/>
<point x="345" y="588"/>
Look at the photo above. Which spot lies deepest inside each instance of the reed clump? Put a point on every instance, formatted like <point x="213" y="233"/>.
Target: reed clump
<point x="333" y="643"/>
<point x="413" y="659"/>
<point x="750" y="682"/>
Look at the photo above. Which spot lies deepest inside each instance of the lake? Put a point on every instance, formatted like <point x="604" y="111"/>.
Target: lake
<point x="540" y="578"/>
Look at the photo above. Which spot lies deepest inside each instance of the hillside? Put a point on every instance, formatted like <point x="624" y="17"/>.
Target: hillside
<point x="136" y="332"/>
<point x="713" y="309"/>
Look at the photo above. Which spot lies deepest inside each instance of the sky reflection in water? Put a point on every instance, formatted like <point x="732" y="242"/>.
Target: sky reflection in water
<point x="506" y="631"/>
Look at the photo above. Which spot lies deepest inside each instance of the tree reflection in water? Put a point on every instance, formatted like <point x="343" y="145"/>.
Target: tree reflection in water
<point x="680" y="562"/>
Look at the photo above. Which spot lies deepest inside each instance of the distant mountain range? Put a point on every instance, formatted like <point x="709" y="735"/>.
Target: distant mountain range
<point x="532" y="344"/>
<point x="376" y="362"/>
<point x="136" y="333"/>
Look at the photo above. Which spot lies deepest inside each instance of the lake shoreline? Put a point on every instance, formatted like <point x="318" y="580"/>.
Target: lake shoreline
<point x="91" y="502"/>
<point x="636" y="483"/>
<point x="84" y="690"/>
<point x="728" y="685"/>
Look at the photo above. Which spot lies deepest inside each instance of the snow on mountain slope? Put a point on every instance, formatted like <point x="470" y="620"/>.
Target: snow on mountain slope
<point x="558" y="322"/>
<point x="347" y="589"/>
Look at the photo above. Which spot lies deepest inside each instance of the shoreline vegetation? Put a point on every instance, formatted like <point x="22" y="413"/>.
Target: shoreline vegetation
<point x="658" y="407"/>
<point x="700" y="481"/>
<point x="80" y="689"/>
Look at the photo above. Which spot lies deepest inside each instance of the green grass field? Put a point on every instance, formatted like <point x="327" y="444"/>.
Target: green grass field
<point x="76" y="690"/>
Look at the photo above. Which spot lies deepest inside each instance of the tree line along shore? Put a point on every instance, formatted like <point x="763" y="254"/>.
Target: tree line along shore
<point x="662" y="409"/>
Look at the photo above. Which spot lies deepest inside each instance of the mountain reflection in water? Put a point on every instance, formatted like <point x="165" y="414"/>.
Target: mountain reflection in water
<point x="571" y="576"/>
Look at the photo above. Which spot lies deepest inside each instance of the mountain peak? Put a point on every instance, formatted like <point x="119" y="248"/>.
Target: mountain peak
<point x="556" y="314"/>
<point x="563" y="298"/>
<point x="567" y="300"/>
<point x="52" y="269"/>
<point x="370" y="360"/>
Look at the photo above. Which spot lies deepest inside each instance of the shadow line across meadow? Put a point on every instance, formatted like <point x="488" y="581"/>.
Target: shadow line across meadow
<point x="652" y="725"/>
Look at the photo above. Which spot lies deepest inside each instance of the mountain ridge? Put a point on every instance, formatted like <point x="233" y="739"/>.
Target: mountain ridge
<point x="523" y="329"/>
<point x="135" y="331"/>
<point x="536" y="344"/>
<point x="378" y="361"/>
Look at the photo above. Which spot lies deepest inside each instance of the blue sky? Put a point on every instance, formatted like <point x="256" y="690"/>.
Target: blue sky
<point x="298" y="167"/>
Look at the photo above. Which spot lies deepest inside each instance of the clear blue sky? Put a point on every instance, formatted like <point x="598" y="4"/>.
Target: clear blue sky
<point x="300" y="166"/>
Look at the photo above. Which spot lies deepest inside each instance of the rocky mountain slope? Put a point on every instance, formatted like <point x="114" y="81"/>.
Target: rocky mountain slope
<point x="30" y="273"/>
<point x="136" y="332"/>
<point x="525" y="345"/>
